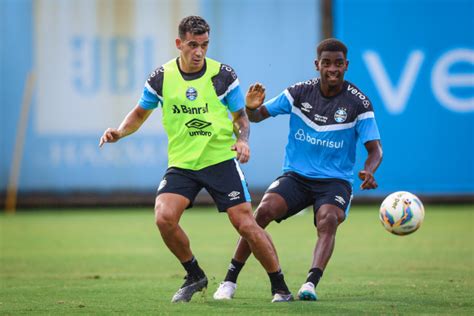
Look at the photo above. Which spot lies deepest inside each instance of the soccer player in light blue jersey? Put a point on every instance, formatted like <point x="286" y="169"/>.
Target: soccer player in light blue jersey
<point x="328" y="115"/>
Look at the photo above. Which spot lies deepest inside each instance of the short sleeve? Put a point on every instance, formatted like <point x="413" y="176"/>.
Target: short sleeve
<point x="281" y="104"/>
<point x="152" y="94"/>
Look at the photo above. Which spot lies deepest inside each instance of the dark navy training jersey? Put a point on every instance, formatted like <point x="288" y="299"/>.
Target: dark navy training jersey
<point x="324" y="131"/>
<point x="225" y="83"/>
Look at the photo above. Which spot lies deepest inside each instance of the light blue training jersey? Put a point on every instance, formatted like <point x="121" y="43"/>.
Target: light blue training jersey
<point x="324" y="131"/>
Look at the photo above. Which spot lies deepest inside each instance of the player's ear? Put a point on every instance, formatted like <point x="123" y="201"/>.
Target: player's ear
<point x="347" y="64"/>
<point x="178" y="43"/>
<point x="316" y="63"/>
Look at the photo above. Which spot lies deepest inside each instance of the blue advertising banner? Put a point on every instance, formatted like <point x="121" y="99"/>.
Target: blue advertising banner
<point x="415" y="60"/>
<point x="91" y="59"/>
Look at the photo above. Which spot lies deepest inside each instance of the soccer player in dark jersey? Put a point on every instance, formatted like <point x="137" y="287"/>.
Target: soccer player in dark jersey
<point x="196" y="93"/>
<point x="328" y="115"/>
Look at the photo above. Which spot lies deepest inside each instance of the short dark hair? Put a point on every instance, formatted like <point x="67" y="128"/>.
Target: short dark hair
<point x="193" y="24"/>
<point x="331" y="45"/>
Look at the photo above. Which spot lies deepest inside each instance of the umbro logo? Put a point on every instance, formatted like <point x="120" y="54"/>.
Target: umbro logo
<point x="306" y="107"/>
<point x="339" y="199"/>
<point x="234" y="195"/>
<point x="196" y="123"/>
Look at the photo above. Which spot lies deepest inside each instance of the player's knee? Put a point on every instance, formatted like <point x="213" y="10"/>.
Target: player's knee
<point x="268" y="212"/>
<point x="327" y="223"/>
<point x="264" y="215"/>
<point x="163" y="219"/>
<point x="248" y="230"/>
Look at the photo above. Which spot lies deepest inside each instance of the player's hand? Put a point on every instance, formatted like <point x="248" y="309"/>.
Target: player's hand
<point x="111" y="135"/>
<point x="255" y="96"/>
<point x="368" y="180"/>
<point x="243" y="151"/>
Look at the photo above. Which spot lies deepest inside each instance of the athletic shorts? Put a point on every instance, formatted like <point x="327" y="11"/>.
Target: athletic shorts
<point x="224" y="181"/>
<point x="300" y="192"/>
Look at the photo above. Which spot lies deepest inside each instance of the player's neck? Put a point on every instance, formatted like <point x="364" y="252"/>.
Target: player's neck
<point x="330" y="91"/>
<point x="187" y="68"/>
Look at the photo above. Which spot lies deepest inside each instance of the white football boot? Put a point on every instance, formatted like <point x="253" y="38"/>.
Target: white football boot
<point x="307" y="292"/>
<point x="279" y="298"/>
<point x="225" y="291"/>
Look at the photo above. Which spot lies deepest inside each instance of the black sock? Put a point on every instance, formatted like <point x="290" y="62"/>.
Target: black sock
<point x="192" y="268"/>
<point x="234" y="270"/>
<point x="314" y="275"/>
<point x="278" y="283"/>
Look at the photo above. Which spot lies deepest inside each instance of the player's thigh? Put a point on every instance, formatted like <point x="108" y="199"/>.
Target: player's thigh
<point x="226" y="184"/>
<point x="293" y="189"/>
<point x="240" y="216"/>
<point x="332" y="197"/>
<point x="330" y="214"/>
<point x="180" y="182"/>
<point x="169" y="207"/>
<point x="272" y="207"/>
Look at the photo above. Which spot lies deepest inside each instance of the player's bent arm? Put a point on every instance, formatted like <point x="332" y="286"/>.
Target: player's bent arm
<point x="242" y="131"/>
<point x="241" y="125"/>
<point x="374" y="158"/>
<point x="129" y="125"/>
<point x="257" y="115"/>
<point x="375" y="155"/>
<point x="133" y="120"/>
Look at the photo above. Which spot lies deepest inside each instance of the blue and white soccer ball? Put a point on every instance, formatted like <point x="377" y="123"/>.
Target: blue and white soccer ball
<point x="402" y="213"/>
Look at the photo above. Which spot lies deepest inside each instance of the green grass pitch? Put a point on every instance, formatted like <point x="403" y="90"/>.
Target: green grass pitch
<point x="114" y="262"/>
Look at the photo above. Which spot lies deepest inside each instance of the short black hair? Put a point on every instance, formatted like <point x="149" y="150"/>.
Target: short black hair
<point x="331" y="45"/>
<point x="193" y="24"/>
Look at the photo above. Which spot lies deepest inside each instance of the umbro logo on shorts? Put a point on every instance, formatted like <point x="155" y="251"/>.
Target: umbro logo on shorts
<point x="234" y="195"/>
<point x="339" y="199"/>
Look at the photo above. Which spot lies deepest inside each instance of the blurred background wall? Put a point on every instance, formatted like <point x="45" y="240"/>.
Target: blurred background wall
<point x="88" y="60"/>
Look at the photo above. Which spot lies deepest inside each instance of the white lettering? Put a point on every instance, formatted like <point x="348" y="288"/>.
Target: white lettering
<point x="442" y="80"/>
<point x="301" y="136"/>
<point x="394" y="97"/>
<point x="87" y="153"/>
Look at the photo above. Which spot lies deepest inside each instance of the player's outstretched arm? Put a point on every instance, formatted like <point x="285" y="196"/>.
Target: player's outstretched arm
<point x="374" y="158"/>
<point x="254" y="100"/>
<point x="130" y="124"/>
<point x="242" y="131"/>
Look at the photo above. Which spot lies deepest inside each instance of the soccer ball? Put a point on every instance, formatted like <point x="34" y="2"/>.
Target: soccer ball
<point x="401" y="213"/>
